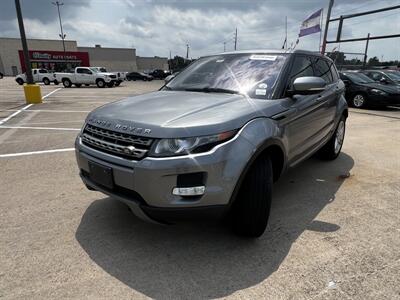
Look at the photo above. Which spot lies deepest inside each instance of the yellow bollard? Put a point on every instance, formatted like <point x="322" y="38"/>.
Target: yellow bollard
<point x="32" y="93"/>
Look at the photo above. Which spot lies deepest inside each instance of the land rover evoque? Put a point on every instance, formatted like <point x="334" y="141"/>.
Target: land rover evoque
<point x="214" y="138"/>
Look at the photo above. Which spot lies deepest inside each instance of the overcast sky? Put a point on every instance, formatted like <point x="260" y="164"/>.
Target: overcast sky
<point x="158" y="27"/>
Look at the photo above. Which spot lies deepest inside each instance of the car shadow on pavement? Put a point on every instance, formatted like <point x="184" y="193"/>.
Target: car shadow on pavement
<point x="203" y="259"/>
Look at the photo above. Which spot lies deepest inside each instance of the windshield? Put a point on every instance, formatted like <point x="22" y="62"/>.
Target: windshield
<point x="251" y="74"/>
<point x="94" y="70"/>
<point x="394" y="75"/>
<point x="359" y="78"/>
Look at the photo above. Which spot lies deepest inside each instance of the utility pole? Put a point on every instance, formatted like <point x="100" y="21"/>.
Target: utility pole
<point x="224" y="46"/>
<point x="235" y="39"/>
<point x="328" y="17"/>
<point x="366" y="51"/>
<point x="285" y="32"/>
<point x="62" y="35"/>
<point x="187" y="51"/>
<point x="31" y="90"/>
<point x="28" y="69"/>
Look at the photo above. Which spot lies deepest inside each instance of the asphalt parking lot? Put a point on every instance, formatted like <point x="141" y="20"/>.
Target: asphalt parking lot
<point x="334" y="231"/>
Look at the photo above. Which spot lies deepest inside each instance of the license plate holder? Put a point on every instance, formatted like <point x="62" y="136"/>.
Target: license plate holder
<point x="101" y="174"/>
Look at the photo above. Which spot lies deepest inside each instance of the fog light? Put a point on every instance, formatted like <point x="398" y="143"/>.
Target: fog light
<point x="189" y="191"/>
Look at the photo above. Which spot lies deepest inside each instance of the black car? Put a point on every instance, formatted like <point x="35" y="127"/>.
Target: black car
<point x="159" y="74"/>
<point x="362" y="91"/>
<point x="390" y="77"/>
<point x="138" y="76"/>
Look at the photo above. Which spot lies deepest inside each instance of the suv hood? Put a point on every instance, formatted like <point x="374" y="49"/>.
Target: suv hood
<point x="182" y="114"/>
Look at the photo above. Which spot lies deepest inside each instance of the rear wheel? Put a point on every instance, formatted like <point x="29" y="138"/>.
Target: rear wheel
<point x="46" y="81"/>
<point x="55" y="82"/>
<point x="20" y="81"/>
<point x="250" y="211"/>
<point x="67" y="83"/>
<point x="100" y="83"/>
<point x="332" y="148"/>
<point x="110" y="84"/>
<point x="359" y="101"/>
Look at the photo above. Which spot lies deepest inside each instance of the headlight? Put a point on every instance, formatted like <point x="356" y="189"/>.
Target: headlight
<point x="183" y="146"/>
<point x="379" y="92"/>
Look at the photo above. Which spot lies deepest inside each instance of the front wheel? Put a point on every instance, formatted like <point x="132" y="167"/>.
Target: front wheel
<point x="110" y="84"/>
<point x="20" y="81"/>
<point x="100" y="83"/>
<point x="359" y="101"/>
<point x="250" y="211"/>
<point x="332" y="148"/>
<point x="55" y="82"/>
<point x="118" y="83"/>
<point x="67" y="83"/>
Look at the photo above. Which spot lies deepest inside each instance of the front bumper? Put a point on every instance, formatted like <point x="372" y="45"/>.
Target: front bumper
<point x="147" y="184"/>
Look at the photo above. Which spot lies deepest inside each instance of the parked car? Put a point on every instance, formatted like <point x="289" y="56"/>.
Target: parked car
<point x="362" y="91"/>
<point x="1" y="75"/>
<point x="138" y="76"/>
<point x="390" y="77"/>
<point x="159" y="74"/>
<point x="86" y="76"/>
<point x="121" y="76"/>
<point x="214" y="139"/>
<point x="39" y="75"/>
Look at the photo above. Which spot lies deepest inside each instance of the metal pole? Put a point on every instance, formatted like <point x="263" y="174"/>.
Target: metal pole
<point x="187" y="51"/>
<point x="62" y="35"/>
<point x="224" y="46"/>
<point x="285" y="32"/>
<point x="28" y="70"/>
<point x="366" y="51"/>
<point x="320" y="33"/>
<point x="323" y="48"/>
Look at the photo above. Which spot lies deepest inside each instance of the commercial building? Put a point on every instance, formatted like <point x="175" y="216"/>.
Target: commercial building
<point x="49" y="54"/>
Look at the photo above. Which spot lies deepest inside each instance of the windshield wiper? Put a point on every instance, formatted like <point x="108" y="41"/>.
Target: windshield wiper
<point x="212" y="90"/>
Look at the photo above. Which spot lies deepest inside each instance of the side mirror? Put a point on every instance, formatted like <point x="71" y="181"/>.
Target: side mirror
<point x="308" y="85"/>
<point x="169" y="78"/>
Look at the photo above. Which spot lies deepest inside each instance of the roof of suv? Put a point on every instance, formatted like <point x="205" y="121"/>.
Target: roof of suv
<point x="271" y="51"/>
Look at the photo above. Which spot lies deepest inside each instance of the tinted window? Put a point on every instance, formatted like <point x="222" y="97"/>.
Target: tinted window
<point x="80" y="71"/>
<point x="302" y="66"/>
<point x="375" y="76"/>
<point x="323" y="70"/>
<point x="42" y="71"/>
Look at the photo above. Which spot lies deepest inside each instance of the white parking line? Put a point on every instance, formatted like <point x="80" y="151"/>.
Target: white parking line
<point x="25" y="107"/>
<point x="40" y="128"/>
<point x="35" y="152"/>
<point x="14" y="114"/>
<point x="51" y="111"/>
<point x="44" y="97"/>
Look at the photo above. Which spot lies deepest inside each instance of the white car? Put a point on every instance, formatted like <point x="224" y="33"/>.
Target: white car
<point x="121" y="76"/>
<point x="87" y="76"/>
<point x="39" y="75"/>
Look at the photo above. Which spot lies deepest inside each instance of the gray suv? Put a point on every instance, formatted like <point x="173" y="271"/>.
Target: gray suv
<point x="212" y="141"/>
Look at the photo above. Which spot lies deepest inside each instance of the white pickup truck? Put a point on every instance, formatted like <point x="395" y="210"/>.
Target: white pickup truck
<point x="86" y="76"/>
<point x="39" y="75"/>
<point x="121" y="76"/>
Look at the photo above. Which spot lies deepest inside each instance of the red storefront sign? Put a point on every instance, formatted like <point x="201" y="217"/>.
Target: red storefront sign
<point x="41" y="57"/>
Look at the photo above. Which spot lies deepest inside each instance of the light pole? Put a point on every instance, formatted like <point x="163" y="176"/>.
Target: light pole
<point x="31" y="90"/>
<point x="62" y="35"/>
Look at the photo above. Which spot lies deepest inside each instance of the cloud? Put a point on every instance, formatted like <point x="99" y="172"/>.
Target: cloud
<point x="157" y="27"/>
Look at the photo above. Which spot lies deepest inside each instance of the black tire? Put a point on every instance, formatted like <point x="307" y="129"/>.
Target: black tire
<point x="110" y="84"/>
<point x="78" y="85"/>
<point x="19" y="81"/>
<point x="1" y="75"/>
<point x="332" y="148"/>
<point x="100" y="83"/>
<point x="87" y="84"/>
<point x="359" y="100"/>
<point x="67" y="83"/>
<point x="46" y="81"/>
<point x="118" y="83"/>
<point x="56" y="82"/>
<point x="250" y="210"/>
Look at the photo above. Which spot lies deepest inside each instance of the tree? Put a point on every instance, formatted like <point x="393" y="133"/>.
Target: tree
<point x="373" y="61"/>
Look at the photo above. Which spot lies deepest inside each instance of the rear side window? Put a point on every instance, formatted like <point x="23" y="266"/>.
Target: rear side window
<point x="323" y="70"/>
<point x="302" y="66"/>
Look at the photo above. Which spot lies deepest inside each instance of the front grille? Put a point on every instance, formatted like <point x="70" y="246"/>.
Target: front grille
<point x="113" y="76"/>
<point x="116" y="143"/>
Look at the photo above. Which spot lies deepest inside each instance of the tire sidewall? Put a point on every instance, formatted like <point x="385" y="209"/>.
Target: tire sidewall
<point x="364" y="102"/>
<point x="101" y="83"/>
<point x="66" y="83"/>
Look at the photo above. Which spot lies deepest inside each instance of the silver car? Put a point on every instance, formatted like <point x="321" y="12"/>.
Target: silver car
<point x="212" y="141"/>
